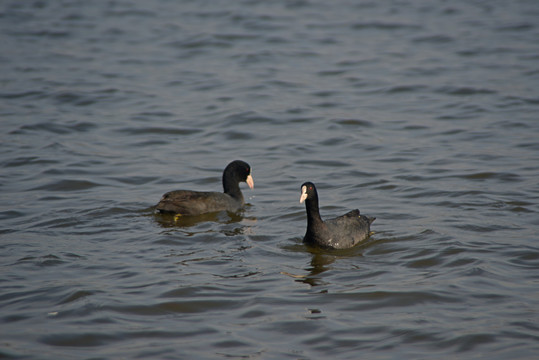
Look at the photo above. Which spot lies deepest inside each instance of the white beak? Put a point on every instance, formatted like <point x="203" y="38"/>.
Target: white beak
<point x="303" y="194"/>
<point x="250" y="181"/>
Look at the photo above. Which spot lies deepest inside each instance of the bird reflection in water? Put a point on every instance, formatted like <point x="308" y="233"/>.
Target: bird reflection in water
<point x="321" y="261"/>
<point x="173" y="220"/>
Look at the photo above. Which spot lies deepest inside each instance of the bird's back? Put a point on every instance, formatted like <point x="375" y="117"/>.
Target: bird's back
<point x="187" y="202"/>
<point x="348" y="230"/>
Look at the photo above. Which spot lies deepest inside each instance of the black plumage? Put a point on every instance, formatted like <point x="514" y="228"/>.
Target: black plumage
<point x="339" y="233"/>
<point x="188" y="202"/>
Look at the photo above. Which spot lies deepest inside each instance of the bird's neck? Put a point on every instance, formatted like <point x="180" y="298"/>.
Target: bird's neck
<point x="313" y="212"/>
<point x="232" y="188"/>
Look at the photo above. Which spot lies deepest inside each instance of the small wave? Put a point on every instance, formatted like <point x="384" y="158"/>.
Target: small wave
<point x="247" y="118"/>
<point x="378" y="25"/>
<point x="237" y="135"/>
<point x="54" y="128"/>
<point x="481" y="51"/>
<point x="486" y="175"/>
<point x="134" y="180"/>
<point x="236" y="37"/>
<point x="405" y="88"/>
<point x="68" y="185"/>
<point x="516" y="27"/>
<point x="79" y="294"/>
<point x="509" y="101"/>
<point x="381" y="299"/>
<point x="10" y="214"/>
<point x="325" y="93"/>
<point x="331" y="72"/>
<point x="353" y="122"/>
<point x="28" y="160"/>
<point x="21" y="95"/>
<point x="162" y="130"/>
<point x="464" y="91"/>
<point x="179" y="307"/>
<point x="130" y="13"/>
<point x="482" y="228"/>
<point x="43" y="33"/>
<point x="527" y="258"/>
<point x="43" y="261"/>
<point x="201" y="41"/>
<point x="325" y="163"/>
<point x="434" y="39"/>
<point x="78" y="340"/>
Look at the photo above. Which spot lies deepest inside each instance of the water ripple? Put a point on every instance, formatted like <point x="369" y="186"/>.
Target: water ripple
<point x="421" y="115"/>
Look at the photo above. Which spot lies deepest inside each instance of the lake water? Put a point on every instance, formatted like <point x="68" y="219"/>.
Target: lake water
<point x="423" y="114"/>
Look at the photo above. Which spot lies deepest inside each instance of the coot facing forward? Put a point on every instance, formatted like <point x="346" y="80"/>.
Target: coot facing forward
<point x="339" y="233"/>
<point x="188" y="202"/>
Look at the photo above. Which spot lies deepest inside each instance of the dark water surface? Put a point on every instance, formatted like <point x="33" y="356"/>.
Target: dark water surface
<point x="421" y="113"/>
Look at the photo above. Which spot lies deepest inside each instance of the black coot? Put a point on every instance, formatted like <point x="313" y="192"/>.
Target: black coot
<point x="339" y="233"/>
<point x="187" y="202"/>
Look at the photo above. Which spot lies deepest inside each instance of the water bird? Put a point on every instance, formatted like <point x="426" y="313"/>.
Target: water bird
<point x="342" y="232"/>
<point x="188" y="202"/>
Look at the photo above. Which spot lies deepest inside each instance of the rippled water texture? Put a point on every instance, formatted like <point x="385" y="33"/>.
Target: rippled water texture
<point x="423" y="114"/>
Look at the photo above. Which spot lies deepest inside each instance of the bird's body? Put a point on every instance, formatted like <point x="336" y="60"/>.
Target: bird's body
<point x="189" y="202"/>
<point x="341" y="232"/>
